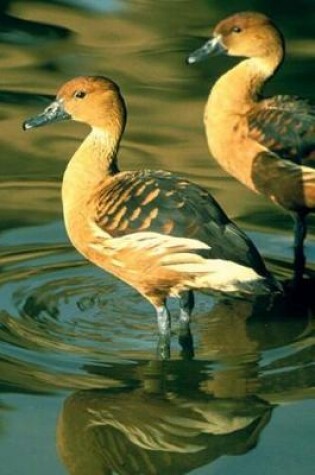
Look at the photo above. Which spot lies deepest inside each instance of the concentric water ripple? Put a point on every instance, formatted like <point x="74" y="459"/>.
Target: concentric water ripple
<point x="56" y="309"/>
<point x="60" y="314"/>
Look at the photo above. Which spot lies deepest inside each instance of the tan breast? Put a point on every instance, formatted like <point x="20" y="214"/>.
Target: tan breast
<point x="229" y="143"/>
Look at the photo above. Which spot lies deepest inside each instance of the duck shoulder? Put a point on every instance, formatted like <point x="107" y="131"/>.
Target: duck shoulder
<point x="285" y="125"/>
<point x="160" y="202"/>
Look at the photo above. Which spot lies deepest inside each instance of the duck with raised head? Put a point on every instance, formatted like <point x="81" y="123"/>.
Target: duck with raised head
<point x="160" y="233"/>
<point x="267" y="143"/>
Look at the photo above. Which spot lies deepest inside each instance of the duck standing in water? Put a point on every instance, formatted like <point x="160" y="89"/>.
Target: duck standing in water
<point x="266" y="143"/>
<point x="160" y="233"/>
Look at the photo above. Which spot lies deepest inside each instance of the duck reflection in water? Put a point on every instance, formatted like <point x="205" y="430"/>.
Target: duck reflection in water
<point x="172" y="416"/>
<point x="266" y="143"/>
<point x="160" y="233"/>
<point x="152" y="431"/>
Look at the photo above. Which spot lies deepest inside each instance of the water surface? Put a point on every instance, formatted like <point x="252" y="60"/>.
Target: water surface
<point x="82" y="391"/>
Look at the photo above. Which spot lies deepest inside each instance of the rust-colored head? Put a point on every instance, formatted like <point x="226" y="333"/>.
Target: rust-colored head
<point x="94" y="100"/>
<point x="248" y="34"/>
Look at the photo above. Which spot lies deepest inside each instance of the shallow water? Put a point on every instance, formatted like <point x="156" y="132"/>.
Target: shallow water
<point x="82" y="391"/>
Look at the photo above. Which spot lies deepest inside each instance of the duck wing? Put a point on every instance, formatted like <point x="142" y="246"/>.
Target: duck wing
<point x="160" y="202"/>
<point x="286" y="126"/>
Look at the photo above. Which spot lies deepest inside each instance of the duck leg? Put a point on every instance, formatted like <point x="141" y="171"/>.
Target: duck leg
<point x="186" y="305"/>
<point x="164" y="326"/>
<point x="300" y="229"/>
<point x="185" y="339"/>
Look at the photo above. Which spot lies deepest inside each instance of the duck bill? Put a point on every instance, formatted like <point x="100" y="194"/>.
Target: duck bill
<point x="212" y="47"/>
<point x="55" y="112"/>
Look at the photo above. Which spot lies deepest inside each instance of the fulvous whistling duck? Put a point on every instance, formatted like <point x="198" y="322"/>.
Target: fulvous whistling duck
<point x="160" y="233"/>
<point x="266" y="143"/>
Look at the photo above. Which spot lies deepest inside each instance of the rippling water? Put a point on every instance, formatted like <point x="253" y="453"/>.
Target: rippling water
<point x="82" y="391"/>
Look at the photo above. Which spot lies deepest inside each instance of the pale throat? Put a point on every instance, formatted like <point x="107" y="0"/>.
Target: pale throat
<point x="94" y="161"/>
<point x="231" y="98"/>
<point x="241" y="86"/>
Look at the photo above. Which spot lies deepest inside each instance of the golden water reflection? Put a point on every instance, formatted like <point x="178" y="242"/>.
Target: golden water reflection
<point x="174" y="416"/>
<point x="65" y="327"/>
<point x="149" y="431"/>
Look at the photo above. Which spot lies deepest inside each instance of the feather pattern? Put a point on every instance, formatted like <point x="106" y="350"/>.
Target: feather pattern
<point x="285" y="125"/>
<point x="160" y="202"/>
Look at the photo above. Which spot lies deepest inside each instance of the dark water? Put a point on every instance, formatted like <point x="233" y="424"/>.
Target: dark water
<point x="79" y="374"/>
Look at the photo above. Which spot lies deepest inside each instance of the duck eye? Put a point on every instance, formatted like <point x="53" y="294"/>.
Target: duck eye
<point x="236" y="29"/>
<point x="79" y="94"/>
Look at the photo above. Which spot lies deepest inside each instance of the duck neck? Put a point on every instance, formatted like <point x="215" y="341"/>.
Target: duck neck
<point x="94" y="161"/>
<point x="231" y="98"/>
<point x="240" y="87"/>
